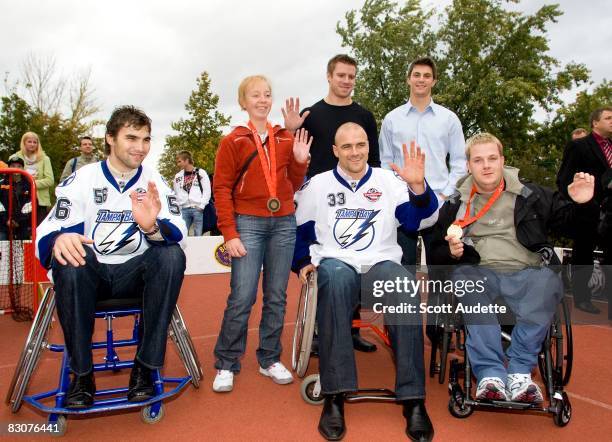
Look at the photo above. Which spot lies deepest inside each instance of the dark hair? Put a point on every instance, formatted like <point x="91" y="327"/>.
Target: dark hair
<point x="85" y="137"/>
<point x="423" y="61"/>
<point x="340" y="58"/>
<point x="12" y="160"/>
<point x="125" y="116"/>
<point x="596" y="114"/>
<point x="185" y="155"/>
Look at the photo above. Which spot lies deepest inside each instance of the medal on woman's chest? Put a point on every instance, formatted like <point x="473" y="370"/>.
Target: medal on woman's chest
<point x="269" y="169"/>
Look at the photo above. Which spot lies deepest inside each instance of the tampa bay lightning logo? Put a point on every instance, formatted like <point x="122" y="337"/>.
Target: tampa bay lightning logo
<point x="116" y="233"/>
<point x="354" y="228"/>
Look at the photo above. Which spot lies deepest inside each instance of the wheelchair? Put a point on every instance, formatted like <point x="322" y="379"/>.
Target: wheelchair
<point x="305" y="327"/>
<point x="554" y="363"/>
<point x="152" y="410"/>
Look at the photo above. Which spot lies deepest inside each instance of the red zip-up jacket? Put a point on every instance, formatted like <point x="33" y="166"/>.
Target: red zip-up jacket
<point x="251" y="194"/>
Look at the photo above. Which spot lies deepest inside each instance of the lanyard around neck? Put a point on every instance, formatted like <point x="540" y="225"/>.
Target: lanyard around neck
<point x="269" y="170"/>
<point x="467" y="219"/>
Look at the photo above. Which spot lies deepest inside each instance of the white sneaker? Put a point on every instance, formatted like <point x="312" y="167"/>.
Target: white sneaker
<point x="278" y="373"/>
<point x="491" y="388"/>
<point x="224" y="381"/>
<point x="523" y="389"/>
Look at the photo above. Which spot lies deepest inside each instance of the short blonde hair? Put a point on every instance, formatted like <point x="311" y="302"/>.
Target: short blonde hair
<point x="482" y="138"/>
<point x="245" y="83"/>
<point x="24" y="137"/>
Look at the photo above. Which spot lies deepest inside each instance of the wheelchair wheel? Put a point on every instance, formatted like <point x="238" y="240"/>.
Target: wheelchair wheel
<point x="148" y="417"/>
<point x="32" y="350"/>
<point x="446" y="339"/>
<point x="311" y="390"/>
<point x="459" y="410"/>
<point x="182" y="339"/>
<point x="434" y="333"/>
<point x="563" y="414"/>
<point x="61" y="426"/>
<point x="304" y="326"/>
<point x="561" y="347"/>
<point x="568" y="349"/>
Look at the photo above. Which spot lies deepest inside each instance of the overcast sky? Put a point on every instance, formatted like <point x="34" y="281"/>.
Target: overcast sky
<point x="150" y="52"/>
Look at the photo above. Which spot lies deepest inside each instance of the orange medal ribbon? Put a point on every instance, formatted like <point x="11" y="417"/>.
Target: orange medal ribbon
<point x="269" y="169"/>
<point x="467" y="219"/>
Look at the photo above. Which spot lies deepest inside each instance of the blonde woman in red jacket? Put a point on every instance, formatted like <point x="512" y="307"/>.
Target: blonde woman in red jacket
<point x="258" y="169"/>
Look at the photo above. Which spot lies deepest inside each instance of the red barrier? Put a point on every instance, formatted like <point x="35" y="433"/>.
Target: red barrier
<point x="20" y="271"/>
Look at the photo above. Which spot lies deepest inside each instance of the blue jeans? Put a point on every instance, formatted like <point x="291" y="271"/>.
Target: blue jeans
<point x="269" y="241"/>
<point x="532" y="294"/>
<point x="156" y="275"/>
<point x="339" y="286"/>
<point x="193" y="216"/>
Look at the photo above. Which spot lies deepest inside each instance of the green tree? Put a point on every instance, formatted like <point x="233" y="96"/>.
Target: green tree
<point x="200" y="133"/>
<point x="555" y="133"/>
<point x="545" y="153"/>
<point x="15" y="118"/>
<point x="494" y="68"/>
<point x="59" y="136"/>
<point x="58" y="108"/>
<point x="503" y="58"/>
<point x="384" y="39"/>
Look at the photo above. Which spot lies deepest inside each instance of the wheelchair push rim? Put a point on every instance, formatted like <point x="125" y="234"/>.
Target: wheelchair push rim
<point x="31" y="352"/>
<point x="304" y="326"/>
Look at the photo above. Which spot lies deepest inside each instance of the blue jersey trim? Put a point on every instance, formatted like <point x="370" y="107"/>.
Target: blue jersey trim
<point x="46" y="243"/>
<point x="111" y="179"/>
<point x="411" y="213"/>
<point x="169" y="232"/>
<point x="305" y="236"/>
<point x="362" y="181"/>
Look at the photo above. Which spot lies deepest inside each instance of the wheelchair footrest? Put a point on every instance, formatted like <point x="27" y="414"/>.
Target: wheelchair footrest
<point x="116" y="403"/>
<point x="372" y="394"/>
<point x="509" y="405"/>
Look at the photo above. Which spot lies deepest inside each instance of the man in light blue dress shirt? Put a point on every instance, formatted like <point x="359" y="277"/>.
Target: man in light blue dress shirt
<point x="434" y="128"/>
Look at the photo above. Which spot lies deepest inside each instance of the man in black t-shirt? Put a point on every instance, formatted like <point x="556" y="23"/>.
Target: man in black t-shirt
<point x="323" y="119"/>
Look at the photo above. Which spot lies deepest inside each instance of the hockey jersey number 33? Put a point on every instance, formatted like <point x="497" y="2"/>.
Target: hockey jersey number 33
<point x="357" y="225"/>
<point x="91" y="203"/>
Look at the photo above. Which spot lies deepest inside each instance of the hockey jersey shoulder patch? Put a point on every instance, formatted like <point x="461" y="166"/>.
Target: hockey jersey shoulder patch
<point x="372" y="194"/>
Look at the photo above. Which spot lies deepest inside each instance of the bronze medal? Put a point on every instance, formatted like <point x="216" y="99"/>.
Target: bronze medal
<point x="274" y="205"/>
<point x="268" y="168"/>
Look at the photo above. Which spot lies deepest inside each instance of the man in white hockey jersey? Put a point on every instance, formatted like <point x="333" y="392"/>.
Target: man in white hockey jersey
<point x="192" y="188"/>
<point x="114" y="232"/>
<point x="347" y="225"/>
